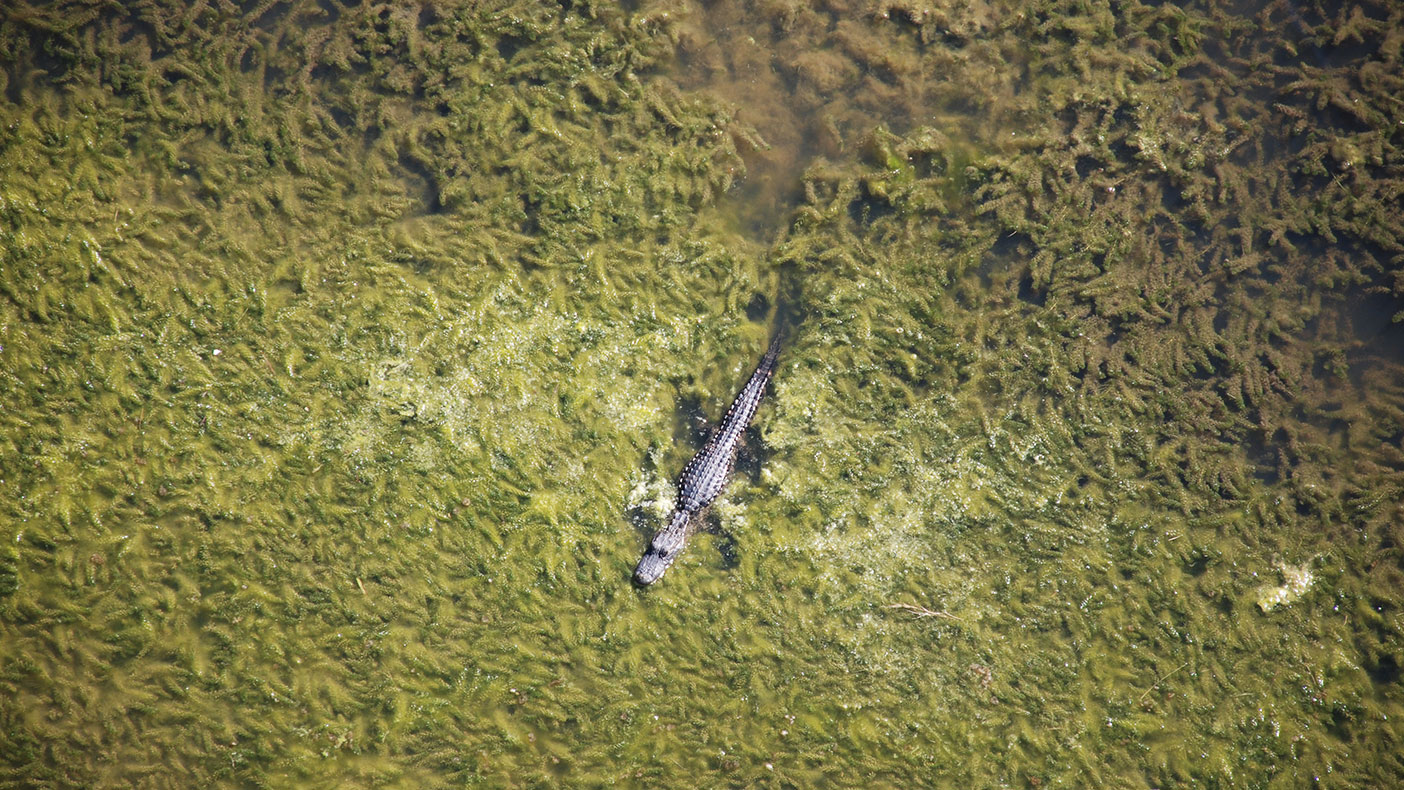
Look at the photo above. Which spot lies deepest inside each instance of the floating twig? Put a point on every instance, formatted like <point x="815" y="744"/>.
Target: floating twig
<point x="1162" y="678"/>
<point x="921" y="611"/>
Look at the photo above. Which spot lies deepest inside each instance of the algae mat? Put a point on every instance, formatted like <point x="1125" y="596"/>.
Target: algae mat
<point x="347" y="351"/>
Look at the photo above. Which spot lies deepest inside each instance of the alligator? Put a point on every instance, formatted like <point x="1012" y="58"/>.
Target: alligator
<point x="706" y="474"/>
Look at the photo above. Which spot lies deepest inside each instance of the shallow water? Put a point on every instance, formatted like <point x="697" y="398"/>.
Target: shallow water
<point x="348" y="353"/>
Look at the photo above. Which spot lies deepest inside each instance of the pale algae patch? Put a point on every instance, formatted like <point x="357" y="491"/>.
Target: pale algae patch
<point x="1296" y="581"/>
<point x="1089" y="354"/>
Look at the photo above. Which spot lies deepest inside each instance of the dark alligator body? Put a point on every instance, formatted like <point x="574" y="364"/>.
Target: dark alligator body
<point x="706" y="474"/>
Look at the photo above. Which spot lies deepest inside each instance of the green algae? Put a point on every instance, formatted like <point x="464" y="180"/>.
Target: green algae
<point x="347" y="349"/>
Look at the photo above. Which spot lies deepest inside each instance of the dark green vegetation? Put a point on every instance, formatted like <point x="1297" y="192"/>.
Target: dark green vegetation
<point x="340" y="345"/>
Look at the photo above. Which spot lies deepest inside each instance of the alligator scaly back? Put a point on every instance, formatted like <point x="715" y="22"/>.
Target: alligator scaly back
<point x="706" y="474"/>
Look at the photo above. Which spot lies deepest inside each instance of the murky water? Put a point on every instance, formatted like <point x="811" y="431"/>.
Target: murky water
<point x="347" y="354"/>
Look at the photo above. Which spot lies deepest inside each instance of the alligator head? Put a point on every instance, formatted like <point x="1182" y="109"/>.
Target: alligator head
<point x="663" y="549"/>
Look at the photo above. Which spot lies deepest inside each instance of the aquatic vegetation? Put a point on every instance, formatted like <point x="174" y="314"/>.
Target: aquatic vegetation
<point x="346" y="349"/>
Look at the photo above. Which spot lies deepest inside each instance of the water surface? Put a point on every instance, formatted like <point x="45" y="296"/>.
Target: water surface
<point x="348" y="352"/>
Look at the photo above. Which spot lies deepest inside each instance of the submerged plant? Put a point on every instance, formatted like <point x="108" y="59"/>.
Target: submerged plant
<point x="342" y="346"/>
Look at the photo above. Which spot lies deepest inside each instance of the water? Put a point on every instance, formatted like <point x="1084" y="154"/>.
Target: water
<point x="347" y="355"/>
